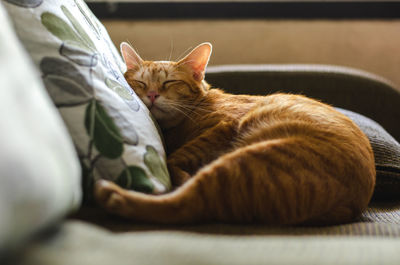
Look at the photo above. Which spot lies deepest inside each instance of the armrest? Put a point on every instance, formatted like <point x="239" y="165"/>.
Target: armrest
<point x="343" y="87"/>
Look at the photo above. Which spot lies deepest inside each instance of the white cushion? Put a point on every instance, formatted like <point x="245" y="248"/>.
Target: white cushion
<point x="40" y="176"/>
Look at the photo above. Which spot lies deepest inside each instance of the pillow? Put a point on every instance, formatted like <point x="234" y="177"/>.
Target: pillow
<point x="40" y="176"/>
<point x="387" y="156"/>
<point x="112" y="130"/>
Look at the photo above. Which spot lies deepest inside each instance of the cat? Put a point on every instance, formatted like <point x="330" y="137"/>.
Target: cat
<point x="279" y="159"/>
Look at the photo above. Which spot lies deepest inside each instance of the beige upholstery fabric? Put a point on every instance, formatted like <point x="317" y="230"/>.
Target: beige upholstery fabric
<point x="80" y="243"/>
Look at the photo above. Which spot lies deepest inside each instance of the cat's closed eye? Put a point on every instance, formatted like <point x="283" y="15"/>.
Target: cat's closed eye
<point x="137" y="85"/>
<point x="176" y="85"/>
<point x="172" y="83"/>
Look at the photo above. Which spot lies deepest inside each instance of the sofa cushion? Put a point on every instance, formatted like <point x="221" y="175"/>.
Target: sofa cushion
<point x="387" y="156"/>
<point x="112" y="130"/>
<point x="82" y="243"/>
<point x="40" y="175"/>
<point x="343" y="87"/>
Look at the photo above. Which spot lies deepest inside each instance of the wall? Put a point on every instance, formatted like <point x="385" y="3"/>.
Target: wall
<point x="371" y="45"/>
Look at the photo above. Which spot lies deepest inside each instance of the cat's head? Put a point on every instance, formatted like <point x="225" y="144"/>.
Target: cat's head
<point x="169" y="89"/>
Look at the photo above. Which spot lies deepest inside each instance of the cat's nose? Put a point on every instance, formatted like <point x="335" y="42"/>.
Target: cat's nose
<point x="152" y="95"/>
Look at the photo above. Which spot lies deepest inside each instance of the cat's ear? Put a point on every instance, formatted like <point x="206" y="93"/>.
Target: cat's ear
<point x="197" y="60"/>
<point x="132" y="59"/>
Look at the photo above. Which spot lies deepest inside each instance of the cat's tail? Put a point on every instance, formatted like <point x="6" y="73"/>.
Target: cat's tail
<point x="282" y="181"/>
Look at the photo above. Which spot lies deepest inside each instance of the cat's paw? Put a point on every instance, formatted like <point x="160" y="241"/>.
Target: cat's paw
<point x="109" y="196"/>
<point x="178" y="176"/>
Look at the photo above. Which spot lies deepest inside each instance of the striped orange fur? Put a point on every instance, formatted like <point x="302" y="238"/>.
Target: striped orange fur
<point x="277" y="159"/>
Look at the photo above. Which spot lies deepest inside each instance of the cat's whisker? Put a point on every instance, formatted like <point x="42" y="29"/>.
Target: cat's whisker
<point x="129" y="42"/>
<point x="187" y="103"/>
<point x="190" y="105"/>
<point x="130" y="56"/>
<point x="180" y="106"/>
<point x="134" y="59"/>
<point x="194" y="110"/>
<point x="197" y="103"/>
<point x="187" y="62"/>
<point x="197" y="108"/>
<point x="172" y="49"/>
<point x="181" y="111"/>
<point x="181" y="55"/>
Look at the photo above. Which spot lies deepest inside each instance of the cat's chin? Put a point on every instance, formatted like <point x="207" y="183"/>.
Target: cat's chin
<point x="154" y="109"/>
<point x="166" y="120"/>
<point x="159" y="114"/>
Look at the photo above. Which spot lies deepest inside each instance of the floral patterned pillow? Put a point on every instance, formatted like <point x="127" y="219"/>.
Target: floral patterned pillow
<point x="112" y="130"/>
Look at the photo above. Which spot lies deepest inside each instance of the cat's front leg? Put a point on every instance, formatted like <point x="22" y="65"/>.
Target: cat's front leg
<point x="188" y="159"/>
<point x="178" y="176"/>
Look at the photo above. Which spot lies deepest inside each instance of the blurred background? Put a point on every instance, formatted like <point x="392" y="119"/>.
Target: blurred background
<point x="360" y="34"/>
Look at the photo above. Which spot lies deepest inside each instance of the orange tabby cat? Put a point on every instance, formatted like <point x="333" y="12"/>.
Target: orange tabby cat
<point x="277" y="159"/>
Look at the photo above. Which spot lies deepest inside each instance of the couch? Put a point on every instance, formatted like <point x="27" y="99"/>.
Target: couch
<point x="68" y="118"/>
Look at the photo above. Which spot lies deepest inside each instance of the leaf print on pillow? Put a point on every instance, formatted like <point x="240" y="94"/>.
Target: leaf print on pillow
<point x="110" y="68"/>
<point x="80" y="49"/>
<point x="101" y="128"/>
<point x="82" y="33"/>
<point x="127" y="130"/>
<point x="76" y="53"/>
<point x="116" y="87"/>
<point x="65" y="84"/>
<point x="115" y="54"/>
<point x="94" y="24"/>
<point x="107" y="168"/>
<point x="25" y="3"/>
<point x="76" y="43"/>
<point x="65" y="92"/>
<point x="135" y="178"/>
<point x="89" y="17"/>
<point x="123" y="93"/>
<point x="157" y="166"/>
<point x="59" y="28"/>
<point x="87" y="182"/>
